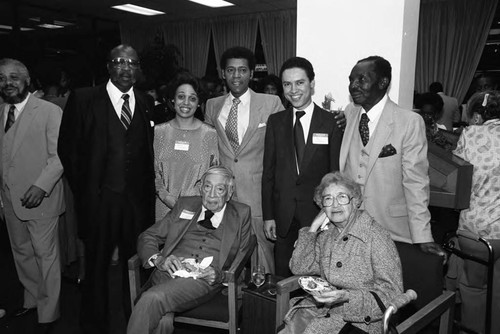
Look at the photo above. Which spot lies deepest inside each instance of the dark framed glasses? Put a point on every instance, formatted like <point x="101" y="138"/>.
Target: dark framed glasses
<point x="341" y="198"/>
<point x="123" y="62"/>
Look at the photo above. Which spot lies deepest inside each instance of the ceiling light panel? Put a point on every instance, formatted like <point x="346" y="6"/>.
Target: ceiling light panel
<point x="138" y="9"/>
<point x="213" y="3"/>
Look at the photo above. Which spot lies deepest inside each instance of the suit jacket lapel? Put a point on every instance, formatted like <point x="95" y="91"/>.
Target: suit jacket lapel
<point x="253" y="122"/>
<point x="382" y="132"/>
<point x="229" y="233"/>
<point x="24" y="122"/>
<point x="218" y="125"/>
<point x="350" y="131"/>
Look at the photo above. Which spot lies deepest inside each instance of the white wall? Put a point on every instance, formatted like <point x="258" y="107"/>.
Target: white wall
<point x="335" y="34"/>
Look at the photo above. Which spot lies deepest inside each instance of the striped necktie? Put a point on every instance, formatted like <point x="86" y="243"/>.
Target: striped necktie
<point x="126" y="116"/>
<point x="11" y="118"/>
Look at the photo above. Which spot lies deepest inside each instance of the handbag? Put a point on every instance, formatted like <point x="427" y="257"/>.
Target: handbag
<point x="349" y="328"/>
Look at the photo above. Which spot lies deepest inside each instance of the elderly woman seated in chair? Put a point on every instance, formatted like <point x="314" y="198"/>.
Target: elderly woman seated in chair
<point x="354" y="254"/>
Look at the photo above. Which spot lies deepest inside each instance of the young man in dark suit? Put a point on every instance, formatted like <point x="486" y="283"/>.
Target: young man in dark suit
<point x="302" y="144"/>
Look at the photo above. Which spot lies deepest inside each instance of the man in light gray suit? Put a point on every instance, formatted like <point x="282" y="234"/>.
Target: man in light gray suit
<point x="31" y="190"/>
<point x="241" y="138"/>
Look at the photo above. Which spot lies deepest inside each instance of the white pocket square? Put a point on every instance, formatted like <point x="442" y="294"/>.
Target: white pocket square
<point x="261" y="125"/>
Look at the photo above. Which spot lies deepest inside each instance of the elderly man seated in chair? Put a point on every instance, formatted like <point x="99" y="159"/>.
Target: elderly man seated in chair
<point x="197" y="228"/>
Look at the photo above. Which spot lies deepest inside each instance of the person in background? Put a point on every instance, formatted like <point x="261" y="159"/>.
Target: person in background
<point x="450" y="111"/>
<point x="184" y="147"/>
<point x="302" y="144"/>
<point x="479" y="144"/>
<point x="326" y="249"/>
<point x="31" y="192"/>
<point x="271" y="84"/>
<point x="106" y="147"/>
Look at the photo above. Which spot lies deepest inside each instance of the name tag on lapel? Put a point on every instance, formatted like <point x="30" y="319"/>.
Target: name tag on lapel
<point x="320" y="138"/>
<point x="185" y="214"/>
<point x="181" y="145"/>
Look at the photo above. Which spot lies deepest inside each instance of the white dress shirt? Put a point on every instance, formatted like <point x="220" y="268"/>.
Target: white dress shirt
<point x="115" y="96"/>
<point x="17" y="112"/>
<point x="243" y="113"/>
<point x="374" y="114"/>
<point x="216" y="218"/>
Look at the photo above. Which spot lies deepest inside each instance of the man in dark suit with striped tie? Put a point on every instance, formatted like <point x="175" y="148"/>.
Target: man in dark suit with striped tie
<point x="105" y="145"/>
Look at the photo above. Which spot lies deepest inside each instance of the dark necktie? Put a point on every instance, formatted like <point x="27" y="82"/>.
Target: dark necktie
<point x="232" y="125"/>
<point x="126" y="116"/>
<point x="11" y="118"/>
<point x="207" y="223"/>
<point x="298" y="132"/>
<point x="364" y="131"/>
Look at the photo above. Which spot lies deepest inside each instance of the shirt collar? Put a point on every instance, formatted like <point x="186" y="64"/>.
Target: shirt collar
<point x="244" y="99"/>
<point x="376" y="110"/>
<point x="308" y="110"/>
<point x="20" y="106"/>
<point x="217" y="217"/>
<point x="115" y="94"/>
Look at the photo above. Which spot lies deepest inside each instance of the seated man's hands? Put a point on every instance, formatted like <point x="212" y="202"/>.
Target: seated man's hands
<point x="331" y="297"/>
<point x="170" y="264"/>
<point x="210" y="275"/>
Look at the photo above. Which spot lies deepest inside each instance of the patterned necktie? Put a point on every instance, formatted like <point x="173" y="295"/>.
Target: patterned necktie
<point x="298" y="132"/>
<point x="126" y="116"/>
<point x="364" y="131"/>
<point x="11" y="118"/>
<point x="207" y="223"/>
<point x="232" y="125"/>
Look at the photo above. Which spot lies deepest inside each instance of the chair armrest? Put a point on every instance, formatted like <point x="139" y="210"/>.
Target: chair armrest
<point x="233" y="273"/>
<point x="134" y="277"/>
<point x="283" y="289"/>
<point x="440" y="307"/>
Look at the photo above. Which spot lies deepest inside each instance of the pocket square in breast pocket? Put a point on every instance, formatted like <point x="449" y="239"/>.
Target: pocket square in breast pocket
<point x="261" y="125"/>
<point x="387" y="151"/>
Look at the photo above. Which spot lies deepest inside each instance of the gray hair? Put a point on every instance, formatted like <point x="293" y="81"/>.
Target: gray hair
<point x="220" y="170"/>
<point x="22" y="68"/>
<point x="340" y="179"/>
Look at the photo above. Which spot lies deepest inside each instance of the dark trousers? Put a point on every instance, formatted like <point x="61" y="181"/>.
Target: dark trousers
<point x="119" y="224"/>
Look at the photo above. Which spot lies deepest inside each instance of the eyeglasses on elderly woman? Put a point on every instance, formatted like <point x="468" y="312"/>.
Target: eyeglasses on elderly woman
<point x="342" y="199"/>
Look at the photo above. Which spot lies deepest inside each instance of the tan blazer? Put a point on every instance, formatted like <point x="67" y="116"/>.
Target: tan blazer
<point x="33" y="159"/>
<point x="396" y="191"/>
<point x="246" y="163"/>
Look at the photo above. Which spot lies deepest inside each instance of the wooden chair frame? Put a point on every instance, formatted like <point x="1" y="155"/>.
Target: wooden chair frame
<point x="441" y="307"/>
<point x="232" y="275"/>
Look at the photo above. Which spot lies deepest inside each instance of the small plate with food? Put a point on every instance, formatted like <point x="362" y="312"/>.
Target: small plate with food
<point x="315" y="285"/>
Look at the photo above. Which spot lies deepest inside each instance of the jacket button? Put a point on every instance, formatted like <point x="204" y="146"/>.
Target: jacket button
<point x="339" y="264"/>
<point x="345" y="238"/>
<point x="235" y="160"/>
<point x="368" y="319"/>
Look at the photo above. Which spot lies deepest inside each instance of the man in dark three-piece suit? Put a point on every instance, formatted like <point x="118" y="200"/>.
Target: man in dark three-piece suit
<point x="105" y="145"/>
<point x="197" y="227"/>
<point x="302" y="144"/>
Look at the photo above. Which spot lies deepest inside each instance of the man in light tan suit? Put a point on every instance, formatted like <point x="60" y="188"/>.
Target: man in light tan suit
<point x="387" y="156"/>
<point x="243" y="153"/>
<point x="31" y="190"/>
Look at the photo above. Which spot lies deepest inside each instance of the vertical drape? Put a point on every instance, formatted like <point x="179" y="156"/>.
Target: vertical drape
<point x="192" y="38"/>
<point x="451" y="38"/>
<point x="240" y="30"/>
<point x="278" y="31"/>
<point x="138" y="34"/>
